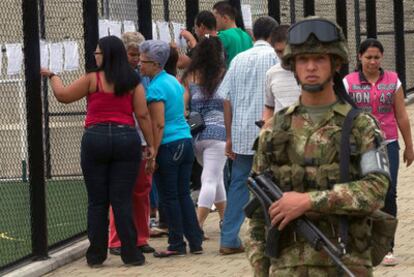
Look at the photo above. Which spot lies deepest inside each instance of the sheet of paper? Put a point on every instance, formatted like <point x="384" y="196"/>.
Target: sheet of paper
<point x="115" y="28"/>
<point x="154" y="30"/>
<point x="44" y="53"/>
<point x="179" y="41"/>
<point x="247" y="16"/>
<point x="14" y="58"/>
<point x="56" y="57"/>
<point x="103" y="27"/>
<point x="71" y="55"/>
<point x="164" y="30"/>
<point x="129" y="26"/>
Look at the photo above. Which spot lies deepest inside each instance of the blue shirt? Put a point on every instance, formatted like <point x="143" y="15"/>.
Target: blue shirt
<point x="212" y="111"/>
<point x="165" y="87"/>
<point x="244" y="86"/>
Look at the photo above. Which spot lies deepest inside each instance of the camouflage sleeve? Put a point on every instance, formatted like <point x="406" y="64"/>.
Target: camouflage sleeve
<point x="255" y="245"/>
<point x="361" y="196"/>
<point x="260" y="160"/>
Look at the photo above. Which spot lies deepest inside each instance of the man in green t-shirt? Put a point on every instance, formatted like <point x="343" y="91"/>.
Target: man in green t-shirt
<point x="234" y="39"/>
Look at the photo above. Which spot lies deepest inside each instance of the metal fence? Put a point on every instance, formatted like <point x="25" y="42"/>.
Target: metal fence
<point x="42" y="194"/>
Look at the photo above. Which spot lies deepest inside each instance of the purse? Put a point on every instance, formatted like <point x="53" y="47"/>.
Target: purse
<point x="196" y="122"/>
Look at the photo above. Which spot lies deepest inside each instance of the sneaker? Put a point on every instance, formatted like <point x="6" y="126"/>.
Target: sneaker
<point x="115" y="251"/>
<point x="169" y="253"/>
<point x="196" y="250"/>
<point x="146" y="249"/>
<point x="231" y="250"/>
<point x="390" y="260"/>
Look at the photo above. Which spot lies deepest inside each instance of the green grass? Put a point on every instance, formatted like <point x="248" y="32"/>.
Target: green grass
<point x="66" y="215"/>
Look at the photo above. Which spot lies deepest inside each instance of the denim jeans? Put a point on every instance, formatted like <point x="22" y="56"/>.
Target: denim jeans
<point x="172" y="177"/>
<point x="237" y="198"/>
<point x="110" y="157"/>
<point x="390" y="206"/>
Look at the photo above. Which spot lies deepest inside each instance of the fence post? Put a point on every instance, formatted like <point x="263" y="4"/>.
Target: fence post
<point x="46" y="130"/>
<point x="145" y="18"/>
<point x="239" y="19"/>
<point x="90" y="31"/>
<point x="399" y="41"/>
<point x="273" y="7"/>
<point x="292" y="11"/>
<point x="31" y="51"/>
<point x="357" y="24"/>
<point x="191" y="11"/>
<point x="308" y="7"/>
<point x="166" y="5"/>
<point x="341" y="19"/>
<point x="371" y="18"/>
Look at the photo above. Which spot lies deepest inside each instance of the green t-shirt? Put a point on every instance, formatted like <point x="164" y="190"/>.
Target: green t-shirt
<point x="234" y="40"/>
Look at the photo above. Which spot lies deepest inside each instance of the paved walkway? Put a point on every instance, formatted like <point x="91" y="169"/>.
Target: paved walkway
<point x="213" y="264"/>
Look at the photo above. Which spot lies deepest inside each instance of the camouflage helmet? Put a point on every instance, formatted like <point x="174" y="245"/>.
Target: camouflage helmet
<point x="315" y="35"/>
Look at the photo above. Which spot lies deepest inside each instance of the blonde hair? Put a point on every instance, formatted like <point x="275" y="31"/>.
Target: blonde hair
<point x="132" y="39"/>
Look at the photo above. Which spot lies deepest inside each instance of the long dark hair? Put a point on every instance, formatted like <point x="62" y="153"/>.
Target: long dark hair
<point x="363" y="47"/>
<point x="116" y="67"/>
<point x="208" y="61"/>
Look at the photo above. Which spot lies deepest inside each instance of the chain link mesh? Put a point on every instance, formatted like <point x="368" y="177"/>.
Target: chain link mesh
<point x="63" y="124"/>
<point x="15" y="234"/>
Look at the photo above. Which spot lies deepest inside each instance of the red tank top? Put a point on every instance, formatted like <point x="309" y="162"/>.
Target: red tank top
<point x="106" y="107"/>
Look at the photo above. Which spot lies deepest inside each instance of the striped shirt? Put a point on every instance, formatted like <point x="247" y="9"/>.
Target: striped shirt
<point x="244" y="86"/>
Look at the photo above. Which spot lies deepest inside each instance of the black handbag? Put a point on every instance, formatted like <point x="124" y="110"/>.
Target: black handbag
<point x="196" y="122"/>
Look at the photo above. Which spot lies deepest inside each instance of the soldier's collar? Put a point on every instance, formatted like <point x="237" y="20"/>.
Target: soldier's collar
<point x="293" y="107"/>
<point x="341" y="108"/>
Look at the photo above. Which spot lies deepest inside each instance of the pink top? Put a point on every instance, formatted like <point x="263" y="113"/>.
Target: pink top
<point x="377" y="98"/>
<point x="106" y="107"/>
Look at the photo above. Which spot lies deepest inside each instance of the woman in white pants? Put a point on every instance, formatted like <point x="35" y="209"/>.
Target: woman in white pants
<point x="201" y="80"/>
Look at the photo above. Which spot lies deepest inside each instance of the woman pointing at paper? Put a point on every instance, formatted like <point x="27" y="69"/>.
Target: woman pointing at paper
<point x="111" y="147"/>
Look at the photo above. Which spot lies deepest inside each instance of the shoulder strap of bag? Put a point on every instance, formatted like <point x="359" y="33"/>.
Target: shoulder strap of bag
<point x="344" y="158"/>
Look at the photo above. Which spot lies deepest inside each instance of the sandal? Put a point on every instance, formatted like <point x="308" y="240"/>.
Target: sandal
<point x="168" y="253"/>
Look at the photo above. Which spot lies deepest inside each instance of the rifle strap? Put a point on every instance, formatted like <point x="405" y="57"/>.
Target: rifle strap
<point x="344" y="158"/>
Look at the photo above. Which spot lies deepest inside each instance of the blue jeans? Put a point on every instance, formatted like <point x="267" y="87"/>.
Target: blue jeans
<point x="237" y="198"/>
<point x="390" y="206"/>
<point x="110" y="157"/>
<point x="175" y="160"/>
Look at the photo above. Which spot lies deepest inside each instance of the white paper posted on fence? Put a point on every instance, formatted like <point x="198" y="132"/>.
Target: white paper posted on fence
<point x="56" y="57"/>
<point x="14" y="58"/>
<point x="129" y="26"/>
<point x="247" y="16"/>
<point x="71" y="55"/>
<point x="164" y="31"/>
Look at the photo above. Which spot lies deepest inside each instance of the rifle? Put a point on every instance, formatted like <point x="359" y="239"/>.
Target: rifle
<point x="266" y="192"/>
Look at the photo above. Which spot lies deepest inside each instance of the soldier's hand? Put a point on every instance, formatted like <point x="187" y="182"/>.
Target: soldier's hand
<point x="289" y="207"/>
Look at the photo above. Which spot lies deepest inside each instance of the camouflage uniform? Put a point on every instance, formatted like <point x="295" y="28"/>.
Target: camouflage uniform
<point x="303" y="157"/>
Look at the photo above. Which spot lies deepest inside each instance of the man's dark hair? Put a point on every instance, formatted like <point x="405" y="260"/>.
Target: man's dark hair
<point x="207" y="19"/>
<point x="224" y="8"/>
<point x="279" y="34"/>
<point x="115" y="65"/>
<point x="263" y="27"/>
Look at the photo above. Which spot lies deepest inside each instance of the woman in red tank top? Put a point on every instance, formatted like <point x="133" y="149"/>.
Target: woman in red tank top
<point x="111" y="147"/>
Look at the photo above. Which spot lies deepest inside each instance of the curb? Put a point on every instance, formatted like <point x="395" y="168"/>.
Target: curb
<point x="57" y="259"/>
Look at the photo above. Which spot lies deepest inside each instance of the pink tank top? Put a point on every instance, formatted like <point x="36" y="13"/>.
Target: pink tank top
<point x="377" y="99"/>
<point x="106" y="107"/>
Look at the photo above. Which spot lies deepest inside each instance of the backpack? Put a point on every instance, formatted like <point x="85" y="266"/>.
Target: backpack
<point x="383" y="225"/>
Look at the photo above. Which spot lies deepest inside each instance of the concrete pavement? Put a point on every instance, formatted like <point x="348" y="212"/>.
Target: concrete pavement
<point x="212" y="264"/>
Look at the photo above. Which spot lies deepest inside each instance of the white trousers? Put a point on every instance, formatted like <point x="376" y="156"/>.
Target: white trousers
<point x="210" y="154"/>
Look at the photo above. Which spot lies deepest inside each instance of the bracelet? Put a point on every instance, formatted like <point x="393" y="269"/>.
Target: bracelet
<point x="52" y="75"/>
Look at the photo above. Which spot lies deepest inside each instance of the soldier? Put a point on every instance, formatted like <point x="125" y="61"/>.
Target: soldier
<point x="300" y="149"/>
